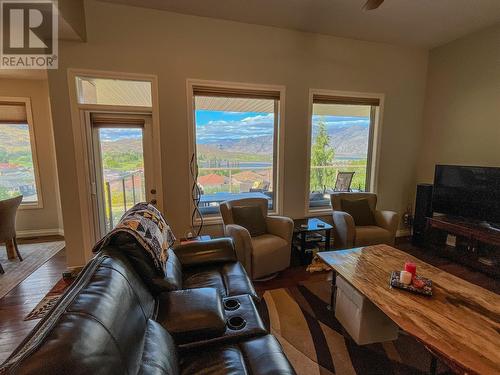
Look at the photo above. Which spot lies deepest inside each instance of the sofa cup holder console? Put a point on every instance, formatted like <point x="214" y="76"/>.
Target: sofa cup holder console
<point x="236" y="323"/>
<point x="232" y="304"/>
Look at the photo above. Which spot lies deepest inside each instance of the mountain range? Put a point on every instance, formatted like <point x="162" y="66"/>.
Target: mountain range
<point x="349" y="142"/>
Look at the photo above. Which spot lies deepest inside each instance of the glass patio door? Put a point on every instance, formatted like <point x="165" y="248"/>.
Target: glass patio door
<point x="123" y="176"/>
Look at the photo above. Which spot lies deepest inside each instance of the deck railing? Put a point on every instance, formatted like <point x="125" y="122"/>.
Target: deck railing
<point x="121" y="194"/>
<point x="233" y="186"/>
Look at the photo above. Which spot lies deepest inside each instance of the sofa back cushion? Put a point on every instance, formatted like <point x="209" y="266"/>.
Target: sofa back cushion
<point x="159" y="356"/>
<point x="97" y="327"/>
<point x="143" y="264"/>
<point x="173" y="274"/>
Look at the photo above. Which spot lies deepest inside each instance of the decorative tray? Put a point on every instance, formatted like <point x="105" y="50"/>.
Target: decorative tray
<point x="426" y="290"/>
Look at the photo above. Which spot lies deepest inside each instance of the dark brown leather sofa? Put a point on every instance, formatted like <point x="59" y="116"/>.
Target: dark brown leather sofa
<point x="118" y="319"/>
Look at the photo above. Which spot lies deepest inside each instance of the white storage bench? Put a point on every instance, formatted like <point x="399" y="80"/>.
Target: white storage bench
<point x="360" y="317"/>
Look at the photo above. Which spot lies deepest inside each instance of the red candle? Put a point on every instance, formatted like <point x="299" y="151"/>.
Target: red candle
<point x="411" y="267"/>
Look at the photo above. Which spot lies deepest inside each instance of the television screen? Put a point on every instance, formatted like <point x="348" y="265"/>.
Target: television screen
<point x="469" y="192"/>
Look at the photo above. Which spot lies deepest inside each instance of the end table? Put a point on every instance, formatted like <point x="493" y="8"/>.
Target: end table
<point x="303" y="239"/>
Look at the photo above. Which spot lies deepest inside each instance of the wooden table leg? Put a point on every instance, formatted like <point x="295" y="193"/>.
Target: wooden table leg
<point x="11" y="251"/>
<point x="433" y="366"/>
<point x="331" y="306"/>
<point x="328" y="237"/>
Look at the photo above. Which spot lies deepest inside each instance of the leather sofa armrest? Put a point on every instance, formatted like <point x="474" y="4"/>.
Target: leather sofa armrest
<point x="280" y="226"/>
<point x="242" y="244"/>
<point x="388" y="220"/>
<point x="220" y="250"/>
<point x="344" y="229"/>
<point x="192" y="315"/>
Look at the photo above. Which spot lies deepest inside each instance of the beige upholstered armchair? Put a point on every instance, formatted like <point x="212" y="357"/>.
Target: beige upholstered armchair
<point x="8" y="212"/>
<point x="265" y="254"/>
<point x="348" y="234"/>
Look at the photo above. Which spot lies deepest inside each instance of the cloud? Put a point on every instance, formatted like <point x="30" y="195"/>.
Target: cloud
<point x="248" y="127"/>
<point x="263" y="125"/>
<point x="259" y="119"/>
<point x="340" y="121"/>
<point x="113" y="134"/>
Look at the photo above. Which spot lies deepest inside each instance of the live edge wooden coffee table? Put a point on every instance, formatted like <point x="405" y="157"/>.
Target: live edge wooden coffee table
<point x="460" y="323"/>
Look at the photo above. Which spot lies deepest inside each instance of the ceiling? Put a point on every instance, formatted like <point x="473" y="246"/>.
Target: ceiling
<point x="423" y="23"/>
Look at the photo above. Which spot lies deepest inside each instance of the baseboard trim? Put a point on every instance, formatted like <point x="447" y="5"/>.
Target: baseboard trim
<point x="39" y="232"/>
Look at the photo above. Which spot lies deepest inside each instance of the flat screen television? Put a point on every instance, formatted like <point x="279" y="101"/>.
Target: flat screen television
<point x="469" y="192"/>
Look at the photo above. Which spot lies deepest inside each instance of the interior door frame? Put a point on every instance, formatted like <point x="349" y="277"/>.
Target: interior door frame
<point x="80" y="144"/>
<point x="120" y="120"/>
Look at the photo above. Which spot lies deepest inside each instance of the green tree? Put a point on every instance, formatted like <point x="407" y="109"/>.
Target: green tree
<point x="321" y="155"/>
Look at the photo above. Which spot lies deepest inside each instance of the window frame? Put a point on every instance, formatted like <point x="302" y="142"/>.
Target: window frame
<point x="34" y="155"/>
<point x="278" y="161"/>
<point x="373" y="157"/>
<point x="110" y="77"/>
<point x="80" y="120"/>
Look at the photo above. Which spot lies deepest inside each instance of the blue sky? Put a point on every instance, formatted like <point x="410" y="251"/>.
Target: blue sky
<point x="114" y="134"/>
<point x="213" y="126"/>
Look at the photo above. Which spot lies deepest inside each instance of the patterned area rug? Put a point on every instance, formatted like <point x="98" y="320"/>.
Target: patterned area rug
<point x="316" y="343"/>
<point x="50" y="299"/>
<point x="34" y="254"/>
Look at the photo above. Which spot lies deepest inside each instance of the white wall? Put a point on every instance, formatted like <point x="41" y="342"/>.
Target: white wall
<point x="462" y="109"/>
<point x="176" y="47"/>
<point x="45" y="220"/>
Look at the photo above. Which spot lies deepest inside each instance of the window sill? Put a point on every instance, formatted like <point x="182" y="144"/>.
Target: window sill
<point x="31" y="206"/>
<point x="209" y="220"/>
<point x="319" y="212"/>
<point x="217" y="219"/>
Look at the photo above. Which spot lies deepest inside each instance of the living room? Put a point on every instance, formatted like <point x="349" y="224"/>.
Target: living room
<point x="422" y="77"/>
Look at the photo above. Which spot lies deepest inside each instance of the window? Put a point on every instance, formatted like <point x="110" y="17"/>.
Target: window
<point x="107" y="91"/>
<point x="341" y="142"/>
<point x="118" y="143"/>
<point x="17" y="166"/>
<point x="236" y="139"/>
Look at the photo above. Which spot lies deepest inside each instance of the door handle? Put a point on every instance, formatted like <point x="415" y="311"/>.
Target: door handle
<point x="153" y="191"/>
<point x="153" y="201"/>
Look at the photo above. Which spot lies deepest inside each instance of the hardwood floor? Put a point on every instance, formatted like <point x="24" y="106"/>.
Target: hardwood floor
<point x="24" y="297"/>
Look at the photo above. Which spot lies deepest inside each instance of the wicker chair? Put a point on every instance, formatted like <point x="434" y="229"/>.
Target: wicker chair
<point x="8" y="211"/>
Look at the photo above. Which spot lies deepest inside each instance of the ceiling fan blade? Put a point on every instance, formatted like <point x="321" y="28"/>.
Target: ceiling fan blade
<point x="372" y="4"/>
